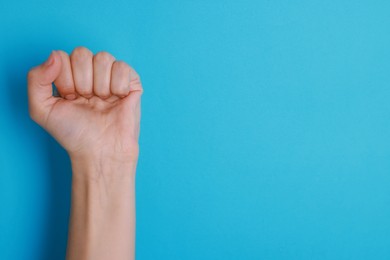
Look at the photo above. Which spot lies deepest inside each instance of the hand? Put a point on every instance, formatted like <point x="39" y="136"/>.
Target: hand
<point x="98" y="112"/>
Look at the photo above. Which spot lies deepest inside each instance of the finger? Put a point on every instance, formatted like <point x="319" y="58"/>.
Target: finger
<point x="120" y="78"/>
<point x="64" y="82"/>
<point x="135" y="82"/>
<point x="136" y="88"/>
<point x="102" y="64"/>
<point x="132" y="102"/>
<point x="40" y="91"/>
<point x="82" y="69"/>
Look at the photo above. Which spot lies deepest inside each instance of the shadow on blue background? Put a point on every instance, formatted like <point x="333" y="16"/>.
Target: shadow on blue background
<point x="58" y="176"/>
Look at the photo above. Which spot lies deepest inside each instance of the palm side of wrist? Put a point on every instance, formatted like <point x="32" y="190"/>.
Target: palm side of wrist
<point x="95" y="166"/>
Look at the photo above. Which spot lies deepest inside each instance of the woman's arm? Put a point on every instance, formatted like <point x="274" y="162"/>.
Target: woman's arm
<point x="102" y="218"/>
<point x="96" y="119"/>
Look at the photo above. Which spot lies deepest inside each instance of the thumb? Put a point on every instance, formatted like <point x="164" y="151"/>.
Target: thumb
<point x="40" y="92"/>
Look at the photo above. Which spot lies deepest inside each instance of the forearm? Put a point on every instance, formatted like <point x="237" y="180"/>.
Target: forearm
<point x="102" y="221"/>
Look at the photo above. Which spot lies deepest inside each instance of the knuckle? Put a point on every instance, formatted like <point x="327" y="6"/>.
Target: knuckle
<point x="134" y="74"/>
<point x="135" y="77"/>
<point x="122" y="68"/>
<point x="103" y="57"/>
<point x="81" y="53"/>
<point x="30" y="75"/>
<point x="62" y="53"/>
<point x="135" y="81"/>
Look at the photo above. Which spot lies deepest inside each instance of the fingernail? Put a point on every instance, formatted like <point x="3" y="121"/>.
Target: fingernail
<point x="70" y="96"/>
<point x="50" y="60"/>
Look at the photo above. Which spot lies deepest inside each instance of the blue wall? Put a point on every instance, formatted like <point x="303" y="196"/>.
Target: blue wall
<point x="265" y="131"/>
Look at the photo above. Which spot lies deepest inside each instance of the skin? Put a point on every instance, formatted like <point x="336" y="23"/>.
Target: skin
<point x="96" y="119"/>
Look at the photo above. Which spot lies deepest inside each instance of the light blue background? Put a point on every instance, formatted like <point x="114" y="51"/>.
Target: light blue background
<point x="265" y="128"/>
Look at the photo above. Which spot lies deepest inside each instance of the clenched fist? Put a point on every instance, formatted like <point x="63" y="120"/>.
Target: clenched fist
<point x="97" y="114"/>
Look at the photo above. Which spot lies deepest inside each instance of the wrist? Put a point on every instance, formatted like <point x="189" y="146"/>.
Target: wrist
<point x="124" y="154"/>
<point x="95" y="166"/>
